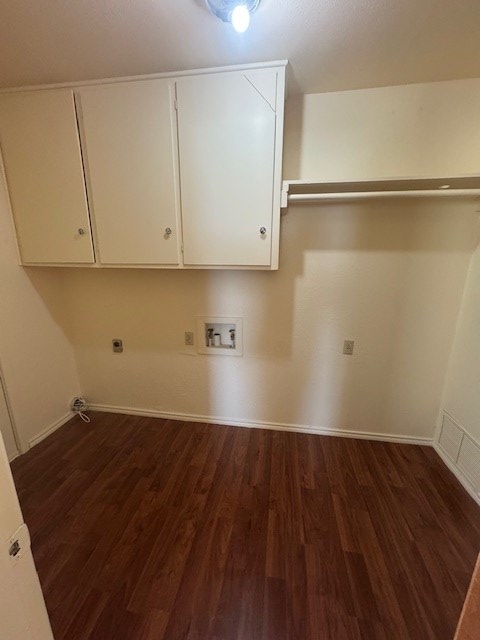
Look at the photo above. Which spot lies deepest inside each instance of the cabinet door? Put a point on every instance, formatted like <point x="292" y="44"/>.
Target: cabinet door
<point x="226" y="126"/>
<point x="128" y="135"/>
<point x="43" y="166"/>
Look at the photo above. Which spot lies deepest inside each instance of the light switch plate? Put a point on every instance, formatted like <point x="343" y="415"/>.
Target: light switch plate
<point x="348" y="347"/>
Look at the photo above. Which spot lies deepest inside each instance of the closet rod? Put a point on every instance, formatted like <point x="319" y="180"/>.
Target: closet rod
<point x="368" y="195"/>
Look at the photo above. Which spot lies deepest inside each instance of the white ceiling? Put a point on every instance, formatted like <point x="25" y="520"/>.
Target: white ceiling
<point x="331" y="44"/>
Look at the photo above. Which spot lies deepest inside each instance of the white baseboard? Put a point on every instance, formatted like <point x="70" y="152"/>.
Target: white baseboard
<point x="14" y="456"/>
<point x="50" y="429"/>
<point x="189" y="417"/>
<point x="457" y="473"/>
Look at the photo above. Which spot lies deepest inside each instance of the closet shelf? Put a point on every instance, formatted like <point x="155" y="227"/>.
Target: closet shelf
<point x="294" y="191"/>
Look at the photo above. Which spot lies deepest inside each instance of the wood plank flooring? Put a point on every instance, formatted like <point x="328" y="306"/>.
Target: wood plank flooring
<point x="146" y="529"/>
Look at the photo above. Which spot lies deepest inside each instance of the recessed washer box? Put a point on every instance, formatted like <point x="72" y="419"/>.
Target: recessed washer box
<point x="219" y="335"/>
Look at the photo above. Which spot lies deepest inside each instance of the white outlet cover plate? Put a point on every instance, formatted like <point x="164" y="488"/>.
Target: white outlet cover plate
<point x="202" y="347"/>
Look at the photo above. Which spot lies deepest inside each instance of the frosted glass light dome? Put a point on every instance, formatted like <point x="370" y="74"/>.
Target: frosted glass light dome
<point x="234" y="11"/>
<point x="240" y="18"/>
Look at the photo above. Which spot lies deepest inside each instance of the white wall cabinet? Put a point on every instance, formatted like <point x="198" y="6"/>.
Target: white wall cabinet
<point x="43" y="166"/>
<point x="227" y="134"/>
<point x="180" y="172"/>
<point x="129" y="135"/>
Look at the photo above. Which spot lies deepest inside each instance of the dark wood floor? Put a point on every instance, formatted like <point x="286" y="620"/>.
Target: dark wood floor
<point x="151" y="529"/>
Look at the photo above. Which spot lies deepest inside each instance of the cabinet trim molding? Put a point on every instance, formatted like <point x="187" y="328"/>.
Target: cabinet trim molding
<point x="151" y="76"/>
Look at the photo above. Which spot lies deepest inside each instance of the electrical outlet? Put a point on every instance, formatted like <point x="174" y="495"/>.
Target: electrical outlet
<point x="348" y="347"/>
<point x="189" y="339"/>
<point x="117" y="345"/>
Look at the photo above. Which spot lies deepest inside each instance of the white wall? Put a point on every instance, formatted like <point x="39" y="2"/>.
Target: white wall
<point x="389" y="275"/>
<point x="462" y="388"/>
<point x="413" y="130"/>
<point x="35" y="355"/>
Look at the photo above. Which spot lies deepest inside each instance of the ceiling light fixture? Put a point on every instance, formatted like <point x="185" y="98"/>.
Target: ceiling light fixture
<point x="237" y="12"/>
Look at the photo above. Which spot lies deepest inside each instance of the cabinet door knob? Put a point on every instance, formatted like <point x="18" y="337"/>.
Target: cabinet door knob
<point x="81" y="232"/>
<point x="263" y="231"/>
<point x="168" y="231"/>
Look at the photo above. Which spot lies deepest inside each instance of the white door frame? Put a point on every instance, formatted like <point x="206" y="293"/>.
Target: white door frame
<point x="23" y="613"/>
<point x="16" y="437"/>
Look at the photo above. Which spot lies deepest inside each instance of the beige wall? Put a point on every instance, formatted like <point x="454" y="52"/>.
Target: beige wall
<point x="388" y="274"/>
<point x="462" y="388"/>
<point x="35" y="355"/>
<point x="389" y="277"/>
